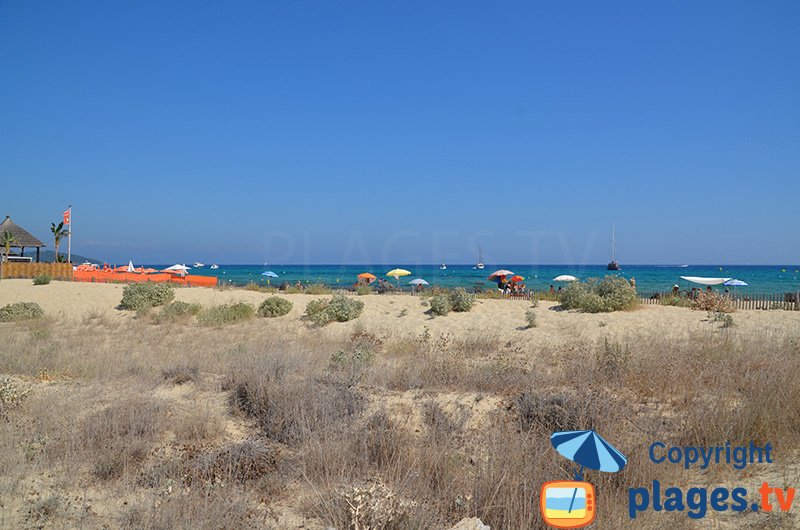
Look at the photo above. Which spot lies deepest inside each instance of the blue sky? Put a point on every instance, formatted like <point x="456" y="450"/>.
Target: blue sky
<point x="404" y="132"/>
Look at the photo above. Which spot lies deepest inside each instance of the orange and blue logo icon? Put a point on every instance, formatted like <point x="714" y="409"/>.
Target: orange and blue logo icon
<point x="567" y="503"/>
<point x="573" y="503"/>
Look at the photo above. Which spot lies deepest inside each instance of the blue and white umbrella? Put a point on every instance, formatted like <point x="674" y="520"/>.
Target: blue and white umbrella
<point x="418" y="281"/>
<point x="269" y="274"/>
<point x="735" y="283"/>
<point x="588" y="449"/>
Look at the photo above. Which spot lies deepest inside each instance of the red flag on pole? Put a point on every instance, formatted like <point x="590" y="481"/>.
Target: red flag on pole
<point x="66" y="217"/>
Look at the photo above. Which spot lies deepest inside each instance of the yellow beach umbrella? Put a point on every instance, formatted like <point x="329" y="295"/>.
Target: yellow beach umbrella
<point x="396" y="273"/>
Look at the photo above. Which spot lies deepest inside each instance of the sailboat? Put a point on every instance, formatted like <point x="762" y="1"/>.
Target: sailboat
<point x="479" y="265"/>
<point x="614" y="264"/>
<point x="443" y="267"/>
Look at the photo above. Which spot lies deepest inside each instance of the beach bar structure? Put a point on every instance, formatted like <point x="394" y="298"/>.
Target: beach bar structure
<point x="22" y="238"/>
<point x="18" y="266"/>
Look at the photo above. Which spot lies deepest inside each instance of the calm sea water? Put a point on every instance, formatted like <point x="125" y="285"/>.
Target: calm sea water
<point x="761" y="278"/>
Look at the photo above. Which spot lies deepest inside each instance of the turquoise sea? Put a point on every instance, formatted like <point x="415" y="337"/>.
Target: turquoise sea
<point x="761" y="278"/>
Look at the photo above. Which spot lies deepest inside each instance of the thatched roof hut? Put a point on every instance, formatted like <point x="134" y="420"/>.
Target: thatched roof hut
<point x="23" y="238"/>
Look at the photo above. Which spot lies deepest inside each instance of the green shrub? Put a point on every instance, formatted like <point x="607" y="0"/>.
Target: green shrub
<point x="274" y="306"/>
<point x="42" y="279"/>
<point x="340" y="308"/>
<point x="317" y="288"/>
<point x="20" y="311"/>
<point x="460" y="300"/>
<point x="530" y="318"/>
<point x="724" y="318"/>
<point x="226" y="314"/>
<point x="612" y="293"/>
<point x="362" y="290"/>
<point x="141" y="296"/>
<point x="177" y="312"/>
<point x="440" y="305"/>
<point x="677" y="301"/>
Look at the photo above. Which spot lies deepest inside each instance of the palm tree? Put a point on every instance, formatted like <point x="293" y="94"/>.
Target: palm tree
<point x="58" y="232"/>
<point x="8" y="240"/>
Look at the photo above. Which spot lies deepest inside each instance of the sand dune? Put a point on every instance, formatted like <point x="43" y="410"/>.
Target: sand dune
<point x="403" y="315"/>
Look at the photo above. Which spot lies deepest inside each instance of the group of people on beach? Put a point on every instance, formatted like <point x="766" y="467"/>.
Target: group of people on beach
<point x="511" y="287"/>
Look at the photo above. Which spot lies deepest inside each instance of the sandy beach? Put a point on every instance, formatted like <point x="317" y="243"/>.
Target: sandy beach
<point x="405" y="315"/>
<point x="127" y="422"/>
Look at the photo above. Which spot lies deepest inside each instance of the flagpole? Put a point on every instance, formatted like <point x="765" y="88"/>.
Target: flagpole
<point x="69" y="236"/>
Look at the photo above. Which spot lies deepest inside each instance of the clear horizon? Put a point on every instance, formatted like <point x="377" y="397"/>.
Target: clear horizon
<point x="405" y="133"/>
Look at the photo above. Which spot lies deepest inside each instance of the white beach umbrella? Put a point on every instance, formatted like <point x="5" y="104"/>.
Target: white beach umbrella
<point x="705" y="281"/>
<point x="418" y="281"/>
<point x="180" y="269"/>
<point x="565" y="278"/>
<point x="131" y="267"/>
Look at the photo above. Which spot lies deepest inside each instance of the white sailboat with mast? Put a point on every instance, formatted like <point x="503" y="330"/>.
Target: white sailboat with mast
<point x="613" y="264"/>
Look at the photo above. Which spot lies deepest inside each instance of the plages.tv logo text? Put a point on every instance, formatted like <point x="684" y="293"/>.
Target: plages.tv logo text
<point x="696" y="501"/>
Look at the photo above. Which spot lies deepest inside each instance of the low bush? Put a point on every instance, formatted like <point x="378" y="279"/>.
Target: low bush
<point x="460" y="300"/>
<point x="612" y="358"/>
<point x="440" y="305"/>
<point x="530" y="318"/>
<point x="362" y="290"/>
<point x="612" y="293"/>
<point x="142" y="296"/>
<point x="177" y="312"/>
<point x="274" y="306"/>
<point x="711" y="301"/>
<point x="20" y="311"/>
<point x="724" y="318"/>
<point x="42" y="279"/>
<point x="226" y="314"/>
<point x="317" y="288"/>
<point x="677" y="301"/>
<point x="340" y="308"/>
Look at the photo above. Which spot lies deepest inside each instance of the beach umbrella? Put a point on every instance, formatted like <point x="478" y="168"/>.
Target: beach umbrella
<point x="517" y="278"/>
<point x="565" y="278"/>
<point x="177" y="269"/>
<point x="269" y="274"/>
<point x="149" y="270"/>
<point x="587" y="449"/>
<point x="735" y="283"/>
<point x="396" y="273"/>
<point x="131" y="268"/>
<point x="369" y="277"/>
<point x="418" y="281"/>
<point x="500" y="273"/>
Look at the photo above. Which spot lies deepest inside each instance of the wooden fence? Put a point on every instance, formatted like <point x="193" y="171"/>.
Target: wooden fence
<point x="784" y="301"/>
<point x="15" y="269"/>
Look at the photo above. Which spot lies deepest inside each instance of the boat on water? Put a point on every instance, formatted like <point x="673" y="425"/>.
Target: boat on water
<point x="214" y="267"/>
<point x="197" y="265"/>
<point x="480" y="265"/>
<point x="613" y="265"/>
